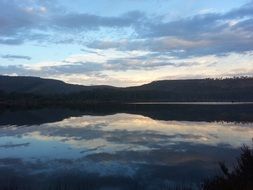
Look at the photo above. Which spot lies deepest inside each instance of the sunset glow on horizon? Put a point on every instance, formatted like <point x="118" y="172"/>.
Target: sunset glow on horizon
<point x="126" y="43"/>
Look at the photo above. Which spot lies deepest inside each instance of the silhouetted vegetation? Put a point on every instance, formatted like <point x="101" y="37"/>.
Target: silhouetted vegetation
<point x="36" y="91"/>
<point x="239" y="178"/>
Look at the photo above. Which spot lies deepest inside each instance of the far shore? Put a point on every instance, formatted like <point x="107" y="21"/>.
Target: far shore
<point x="192" y="103"/>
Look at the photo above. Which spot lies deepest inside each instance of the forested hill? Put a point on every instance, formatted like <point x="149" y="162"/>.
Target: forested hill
<point x="236" y="89"/>
<point x="39" y="86"/>
<point x="36" y="85"/>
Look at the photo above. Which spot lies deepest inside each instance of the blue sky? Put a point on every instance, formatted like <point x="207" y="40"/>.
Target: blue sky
<point x="128" y="42"/>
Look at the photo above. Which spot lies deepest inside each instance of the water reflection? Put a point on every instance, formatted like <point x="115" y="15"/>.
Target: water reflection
<point x="122" y="146"/>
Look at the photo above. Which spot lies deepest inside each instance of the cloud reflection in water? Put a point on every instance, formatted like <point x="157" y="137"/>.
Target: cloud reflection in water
<point x="121" y="144"/>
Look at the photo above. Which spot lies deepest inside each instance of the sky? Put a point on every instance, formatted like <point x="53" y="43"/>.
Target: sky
<point x="126" y="42"/>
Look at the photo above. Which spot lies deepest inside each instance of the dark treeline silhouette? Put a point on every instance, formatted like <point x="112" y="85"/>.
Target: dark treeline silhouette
<point x="31" y="90"/>
<point x="239" y="178"/>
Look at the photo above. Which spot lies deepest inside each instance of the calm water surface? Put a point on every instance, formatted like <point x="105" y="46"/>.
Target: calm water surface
<point x="193" y="103"/>
<point x="122" y="146"/>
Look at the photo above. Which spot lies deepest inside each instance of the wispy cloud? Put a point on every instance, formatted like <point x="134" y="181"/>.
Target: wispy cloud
<point x="9" y="56"/>
<point x="201" y="34"/>
<point x="129" y="43"/>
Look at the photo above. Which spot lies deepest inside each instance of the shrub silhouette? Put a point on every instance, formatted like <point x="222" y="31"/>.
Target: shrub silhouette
<point x="240" y="178"/>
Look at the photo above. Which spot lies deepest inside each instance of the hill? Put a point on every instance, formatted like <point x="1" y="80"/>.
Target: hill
<point x="235" y="89"/>
<point x="36" y="85"/>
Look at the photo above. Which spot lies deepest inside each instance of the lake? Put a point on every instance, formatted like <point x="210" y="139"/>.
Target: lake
<point x="139" y="147"/>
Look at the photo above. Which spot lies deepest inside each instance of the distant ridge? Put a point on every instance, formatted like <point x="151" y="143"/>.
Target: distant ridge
<point x="37" y="85"/>
<point x="234" y="89"/>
